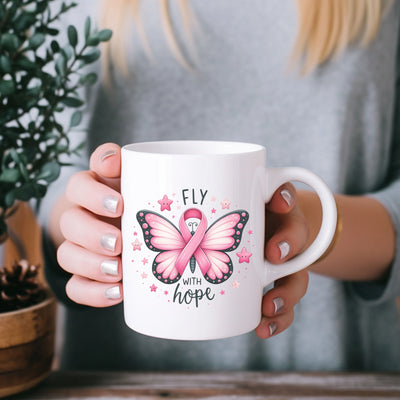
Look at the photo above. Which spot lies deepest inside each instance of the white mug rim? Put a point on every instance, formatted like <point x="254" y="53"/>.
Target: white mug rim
<point x="193" y="148"/>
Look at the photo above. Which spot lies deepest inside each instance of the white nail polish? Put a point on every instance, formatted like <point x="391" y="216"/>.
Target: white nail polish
<point x="113" y="293"/>
<point x="107" y="154"/>
<point x="272" y="328"/>
<point x="108" y="241"/>
<point x="287" y="196"/>
<point x="110" y="203"/>
<point x="278" y="304"/>
<point x="284" y="247"/>
<point x="109" y="267"/>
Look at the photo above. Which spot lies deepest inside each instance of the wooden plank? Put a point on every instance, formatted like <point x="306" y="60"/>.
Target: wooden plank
<point x="229" y="385"/>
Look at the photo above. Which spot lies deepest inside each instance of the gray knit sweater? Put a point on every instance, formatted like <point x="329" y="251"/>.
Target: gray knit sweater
<point x="341" y="121"/>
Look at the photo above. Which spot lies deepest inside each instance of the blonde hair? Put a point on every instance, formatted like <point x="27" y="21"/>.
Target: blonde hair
<point x="325" y="29"/>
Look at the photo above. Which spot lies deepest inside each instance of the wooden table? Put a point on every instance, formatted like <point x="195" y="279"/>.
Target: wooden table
<point x="221" y="385"/>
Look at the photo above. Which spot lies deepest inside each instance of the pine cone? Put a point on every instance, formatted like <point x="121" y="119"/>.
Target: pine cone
<point x="19" y="286"/>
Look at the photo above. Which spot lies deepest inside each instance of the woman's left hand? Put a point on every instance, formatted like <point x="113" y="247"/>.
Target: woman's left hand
<point x="287" y="233"/>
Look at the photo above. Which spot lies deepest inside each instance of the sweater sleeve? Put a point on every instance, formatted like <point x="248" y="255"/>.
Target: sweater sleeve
<point x="389" y="196"/>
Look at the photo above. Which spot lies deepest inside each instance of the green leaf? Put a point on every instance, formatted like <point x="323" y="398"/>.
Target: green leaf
<point x="47" y="30"/>
<point x="87" y="28"/>
<point x="58" y="127"/>
<point x="30" y="190"/>
<point x="76" y="118"/>
<point x="49" y="171"/>
<point x="34" y="91"/>
<point x="88" y="79"/>
<point x="61" y="65"/>
<point x="24" y="21"/>
<point x="105" y="35"/>
<point x="41" y="6"/>
<point x="36" y="40"/>
<point x="25" y="64"/>
<point x="7" y="87"/>
<point x="5" y="64"/>
<point x="55" y="47"/>
<point x="93" y="40"/>
<point x="68" y="51"/>
<point x="9" y="198"/>
<point x="91" y="57"/>
<point x="72" y="102"/>
<point x="10" y="175"/>
<point x="10" y="42"/>
<point x="72" y="36"/>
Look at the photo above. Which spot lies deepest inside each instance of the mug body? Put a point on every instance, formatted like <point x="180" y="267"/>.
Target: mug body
<point x="193" y="238"/>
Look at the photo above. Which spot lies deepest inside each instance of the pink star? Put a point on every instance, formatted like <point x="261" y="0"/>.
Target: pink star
<point x="134" y="233"/>
<point x="166" y="292"/>
<point x="235" y="284"/>
<point x="145" y="261"/>
<point x="213" y="210"/>
<point x="143" y="275"/>
<point x="137" y="245"/>
<point x="225" y="204"/>
<point x="250" y="232"/>
<point x="153" y="288"/>
<point x="222" y="292"/>
<point x="165" y="203"/>
<point x="244" y="256"/>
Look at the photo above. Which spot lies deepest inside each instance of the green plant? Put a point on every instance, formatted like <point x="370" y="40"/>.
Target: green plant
<point x="39" y="79"/>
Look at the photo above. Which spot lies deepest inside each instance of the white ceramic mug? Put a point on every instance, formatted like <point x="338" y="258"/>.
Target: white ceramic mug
<point x="193" y="236"/>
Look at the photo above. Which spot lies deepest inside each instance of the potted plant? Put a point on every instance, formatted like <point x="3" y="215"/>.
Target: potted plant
<point x="39" y="79"/>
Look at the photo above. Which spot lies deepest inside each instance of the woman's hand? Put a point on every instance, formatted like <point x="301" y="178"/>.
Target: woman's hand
<point x="287" y="235"/>
<point x="92" y="247"/>
<point x="91" y="227"/>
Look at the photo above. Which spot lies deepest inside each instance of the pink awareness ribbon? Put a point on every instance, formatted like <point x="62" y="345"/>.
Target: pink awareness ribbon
<point x="192" y="246"/>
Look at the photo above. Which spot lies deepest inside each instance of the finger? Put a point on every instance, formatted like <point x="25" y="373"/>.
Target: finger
<point x="84" y="189"/>
<point x="272" y="326"/>
<point x="79" y="261"/>
<point x="106" y="160"/>
<point x="289" y="239"/>
<point x="84" y="229"/>
<point x="91" y="293"/>
<point x="283" y="200"/>
<point x="287" y="292"/>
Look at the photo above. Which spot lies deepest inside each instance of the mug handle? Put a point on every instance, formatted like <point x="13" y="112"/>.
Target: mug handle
<point x="275" y="177"/>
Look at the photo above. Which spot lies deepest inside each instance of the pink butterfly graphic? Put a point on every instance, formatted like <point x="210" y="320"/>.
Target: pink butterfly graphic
<point x="204" y="247"/>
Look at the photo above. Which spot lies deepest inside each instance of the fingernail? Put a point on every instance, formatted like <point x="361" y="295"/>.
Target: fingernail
<point x="108" y="241"/>
<point x="278" y="304"/>
<point x="287" y="196"/>
<point x="109" y="267"/>
<point x="113" y="293"/>
<point x="284" y="247"/>
<point x="110" y="203"/>
<point x="272" y="328"/>
<point x="107" y="154"/>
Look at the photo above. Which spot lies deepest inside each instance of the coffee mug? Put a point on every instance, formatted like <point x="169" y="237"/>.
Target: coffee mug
<point x="193" y="236"/>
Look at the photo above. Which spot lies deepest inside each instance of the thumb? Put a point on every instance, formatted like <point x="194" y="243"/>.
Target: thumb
<point x="105" y="161"/>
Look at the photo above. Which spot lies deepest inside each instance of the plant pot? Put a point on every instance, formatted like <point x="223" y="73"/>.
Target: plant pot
<point x="26" y="346"/>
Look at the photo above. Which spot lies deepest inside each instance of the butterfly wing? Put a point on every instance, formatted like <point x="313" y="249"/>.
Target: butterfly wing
<point x="223" y="236"/>
<point x="160" y="235"/>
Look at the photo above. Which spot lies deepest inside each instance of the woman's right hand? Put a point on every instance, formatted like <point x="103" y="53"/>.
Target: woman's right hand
<point x="91" y="251"/>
